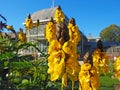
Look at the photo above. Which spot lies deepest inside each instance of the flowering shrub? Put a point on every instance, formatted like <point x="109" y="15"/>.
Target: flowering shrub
<point x="62" y="49"/>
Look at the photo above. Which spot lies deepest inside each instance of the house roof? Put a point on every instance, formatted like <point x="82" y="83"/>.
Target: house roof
<point x="43" y="14"/>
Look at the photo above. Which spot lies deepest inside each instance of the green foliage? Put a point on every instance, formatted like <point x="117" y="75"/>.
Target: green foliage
<point x="6" y="55"/>
<point x="35" y="75"/>
<point x="26" y="45"/>
<point x="111" y="33"/>
<point x="107" y="83"/>
<point x="106" y="88"/>
<point x="23" y="72"/>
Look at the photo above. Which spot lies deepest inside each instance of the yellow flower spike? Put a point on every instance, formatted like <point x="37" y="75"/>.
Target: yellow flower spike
<point x="50" y="31"/>
<point x="73" y="31"/>
<point x="62" y="52"/>
<point x="88" y="77"/>
<point x="59" y="16"/>
<point x="9" y="27"/>
<point x="100" y="61"/>
<point x="29" y="23"/>
<point x="22" y="36"/>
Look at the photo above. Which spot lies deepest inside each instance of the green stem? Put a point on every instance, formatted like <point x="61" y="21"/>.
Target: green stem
<point x="62" y="87"/>
<point x="8" y="81"/>
<point x="73" y="85"/>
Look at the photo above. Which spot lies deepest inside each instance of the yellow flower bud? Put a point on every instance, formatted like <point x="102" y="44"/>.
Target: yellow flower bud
<point x="28" y="23"/>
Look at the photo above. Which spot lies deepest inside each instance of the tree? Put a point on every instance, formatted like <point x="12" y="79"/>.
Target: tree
<point x="111" y="33"/>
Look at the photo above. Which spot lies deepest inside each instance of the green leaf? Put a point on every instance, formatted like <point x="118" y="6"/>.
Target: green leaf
<point x="6" y="63"/>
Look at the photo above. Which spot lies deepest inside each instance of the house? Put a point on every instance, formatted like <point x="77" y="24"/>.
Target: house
<point x="112" y="49"/>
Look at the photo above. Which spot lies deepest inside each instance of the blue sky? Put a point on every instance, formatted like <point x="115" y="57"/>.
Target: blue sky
<point x="91" y="16"/>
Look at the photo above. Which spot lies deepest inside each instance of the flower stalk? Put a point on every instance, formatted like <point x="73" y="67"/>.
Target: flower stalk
<point x="62" y="49"/>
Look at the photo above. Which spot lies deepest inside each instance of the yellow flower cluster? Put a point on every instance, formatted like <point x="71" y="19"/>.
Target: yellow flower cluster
<point x="50" y="31"/>
<point x="117" y="67"/>
<point x="88" y="77"/>
<point x="100" y="61"/>
<point x="22" y="36"/>
<point x="56" y="57"/>
<point x="9" y="27"/>
<point x="72" y="69"/>
<point x="28" y="23"/>
<point x="62" y="56"/>
<point x="74" y="33"/>
<point x="70" y="49"/>
<point x="59" y="16"/>
<point x="62" y="60"/>
<point x="55" y="60"/>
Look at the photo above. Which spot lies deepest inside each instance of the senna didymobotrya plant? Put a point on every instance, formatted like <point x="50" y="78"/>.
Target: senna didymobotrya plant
<point x="88" y="76"/>
<point x="100" y="60"/>
<point x="28" y="23"/>
<point x="63" y="40"/>
<point x="22" y="36"/>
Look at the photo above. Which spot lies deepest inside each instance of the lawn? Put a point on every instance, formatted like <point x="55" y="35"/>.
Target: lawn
<point x="108" y="83"/>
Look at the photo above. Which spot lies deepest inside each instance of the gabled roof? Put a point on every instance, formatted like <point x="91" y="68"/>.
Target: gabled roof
<point x="43" y="14"/>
